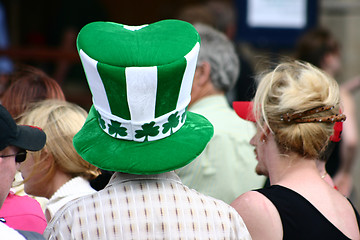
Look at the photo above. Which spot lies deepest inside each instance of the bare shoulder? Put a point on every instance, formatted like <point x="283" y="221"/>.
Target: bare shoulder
<point x="255" y="205"/>
<point x="248" y="198"/>
<point x="259" y="214"/>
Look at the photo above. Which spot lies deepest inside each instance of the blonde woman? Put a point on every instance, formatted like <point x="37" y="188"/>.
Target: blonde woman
<point x="57" y="172"/>
<point x="296" y="106"/>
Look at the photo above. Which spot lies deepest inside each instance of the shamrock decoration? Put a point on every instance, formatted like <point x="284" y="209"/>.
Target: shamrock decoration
<point x="116" y="128"/>
<point x="173" y="121"/>
<point x="183" y="116"/>
<point x="102" y="123"/>
<point x="148" y="129"/>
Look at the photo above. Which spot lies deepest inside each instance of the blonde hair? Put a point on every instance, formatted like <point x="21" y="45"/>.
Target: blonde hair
<point x="60" y="120"/>
<point x="295" y="87"/>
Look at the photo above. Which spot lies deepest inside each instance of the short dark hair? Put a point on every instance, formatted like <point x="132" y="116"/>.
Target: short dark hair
<point x="315" y="44"/>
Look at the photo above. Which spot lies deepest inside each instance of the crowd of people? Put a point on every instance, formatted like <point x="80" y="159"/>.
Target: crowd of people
<point x="183" y="162"/>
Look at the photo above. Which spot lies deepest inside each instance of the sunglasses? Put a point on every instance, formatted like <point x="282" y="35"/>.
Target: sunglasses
<point x="19" y="157"/>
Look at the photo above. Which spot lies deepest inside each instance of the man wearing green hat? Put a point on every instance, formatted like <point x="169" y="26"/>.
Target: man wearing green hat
<point x="140" y="78"/>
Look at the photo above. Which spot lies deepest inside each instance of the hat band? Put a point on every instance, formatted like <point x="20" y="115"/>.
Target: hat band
<point x="159" y="128"/>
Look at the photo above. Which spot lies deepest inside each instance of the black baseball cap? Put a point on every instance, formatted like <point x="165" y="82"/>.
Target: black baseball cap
<point x="22" y="136"/>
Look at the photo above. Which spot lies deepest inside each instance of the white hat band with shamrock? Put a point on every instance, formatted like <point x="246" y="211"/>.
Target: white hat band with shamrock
<point x="142" y="116"/>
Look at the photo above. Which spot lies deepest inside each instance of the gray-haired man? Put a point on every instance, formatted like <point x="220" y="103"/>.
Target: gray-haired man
<point x="225" y="169"/>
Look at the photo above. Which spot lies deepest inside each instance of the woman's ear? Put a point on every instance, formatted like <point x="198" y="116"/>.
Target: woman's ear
<point x="265" y="133"/>
<point x="47" y="158"/>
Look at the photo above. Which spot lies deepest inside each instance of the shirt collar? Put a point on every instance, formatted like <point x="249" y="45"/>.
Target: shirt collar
<point x="119" y="177"/>
<point x="209" y="101"/>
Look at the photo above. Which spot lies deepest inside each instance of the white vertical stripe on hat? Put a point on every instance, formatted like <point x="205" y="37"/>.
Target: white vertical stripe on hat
<point x="141" y="85"/>
<point x="186" y="85"/>
<point x="95" y="83"/>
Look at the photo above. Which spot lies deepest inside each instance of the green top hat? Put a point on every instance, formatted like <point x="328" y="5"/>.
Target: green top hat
<point x="140" y="78"/>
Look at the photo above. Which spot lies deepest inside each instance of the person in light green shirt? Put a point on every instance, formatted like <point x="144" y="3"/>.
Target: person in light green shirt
<point x="226" y="168"/>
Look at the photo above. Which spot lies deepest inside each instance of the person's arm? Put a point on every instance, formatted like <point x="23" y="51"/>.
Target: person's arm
<point x="260" y="216"/>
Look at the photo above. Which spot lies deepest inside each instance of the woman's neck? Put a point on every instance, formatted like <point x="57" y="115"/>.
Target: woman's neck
<point x="292" y="168"/>
<point x="58" y="180"/>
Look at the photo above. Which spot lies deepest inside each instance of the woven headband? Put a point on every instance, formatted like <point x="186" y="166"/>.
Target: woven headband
<point x="302" y="117"/>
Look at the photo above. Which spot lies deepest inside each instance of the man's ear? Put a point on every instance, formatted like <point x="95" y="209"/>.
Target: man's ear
<point x="202" y="73"/>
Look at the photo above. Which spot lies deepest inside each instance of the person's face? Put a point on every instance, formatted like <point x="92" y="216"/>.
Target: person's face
<point x="8" y="168"/>
<point x="259" y="142"/>
<point x="33" y="173"/>
<point x="332" y="63"/>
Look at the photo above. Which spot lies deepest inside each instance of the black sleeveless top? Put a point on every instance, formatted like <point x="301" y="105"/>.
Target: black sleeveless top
<point x="300" y="219"/>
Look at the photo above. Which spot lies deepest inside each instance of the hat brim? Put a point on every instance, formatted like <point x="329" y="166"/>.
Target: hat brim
<point x="152" y="157"/>
<point x="244" y="109"/>
<point x="29" y="138"/>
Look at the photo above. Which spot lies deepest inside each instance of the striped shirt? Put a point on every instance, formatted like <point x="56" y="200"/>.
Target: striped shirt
<point x="146" y="207"/>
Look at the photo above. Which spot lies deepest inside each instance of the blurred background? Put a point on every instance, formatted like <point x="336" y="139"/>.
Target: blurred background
<point x="42" y="33"/>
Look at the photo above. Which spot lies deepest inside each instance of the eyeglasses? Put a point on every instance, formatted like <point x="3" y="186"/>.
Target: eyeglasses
<point x="19" y="157"/>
